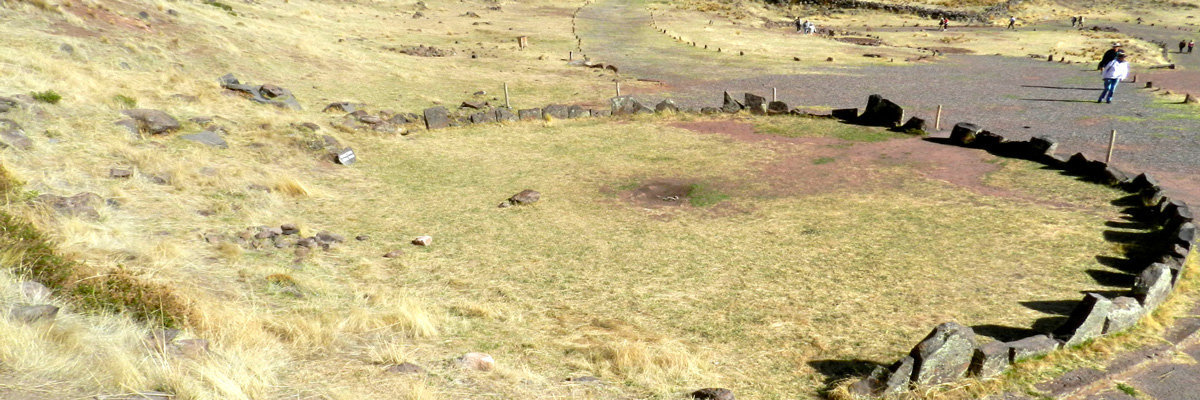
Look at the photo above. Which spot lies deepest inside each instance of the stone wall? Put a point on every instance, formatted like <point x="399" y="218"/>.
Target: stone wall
<point x="950" y="352"/>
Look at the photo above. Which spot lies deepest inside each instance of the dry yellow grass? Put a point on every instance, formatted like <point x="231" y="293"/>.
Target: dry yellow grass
<point x="654" y="301"/>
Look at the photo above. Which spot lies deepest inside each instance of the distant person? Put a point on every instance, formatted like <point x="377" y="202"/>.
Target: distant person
<point x="809" y="28"/>
<point x="1182" y="45"/>
<point x="945" y="24"/>
<point x="1073" y="21"/>
<point x="1080" y="21"/>
<point x="1012" y="22"/>
<point x="799" y="25"/>
<point x="1191" y="45"/>
<point x="1113" y="73"/>
<point x="1110" y="55"/>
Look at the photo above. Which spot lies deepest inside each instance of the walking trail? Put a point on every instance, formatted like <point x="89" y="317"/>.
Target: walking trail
<point x="1016" y="97"/>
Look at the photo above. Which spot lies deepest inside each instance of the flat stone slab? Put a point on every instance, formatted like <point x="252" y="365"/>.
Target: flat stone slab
<point x="209" y="138"/>
<point x="1032" y="346"/>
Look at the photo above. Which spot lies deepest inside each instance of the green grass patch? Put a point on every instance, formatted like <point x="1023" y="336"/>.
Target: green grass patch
<point x="1125" y="388"/>
<point x="823" y="160"/>
<point x="704" y="196"/>
<point x="125" y="101"/>
<point x="223" y="6"/>
<point x="49" y="96"/>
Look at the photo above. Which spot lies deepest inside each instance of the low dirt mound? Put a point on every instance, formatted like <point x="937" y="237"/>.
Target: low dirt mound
<point x="661" y="193"/>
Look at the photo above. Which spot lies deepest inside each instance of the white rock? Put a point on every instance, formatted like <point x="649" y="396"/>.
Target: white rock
<point x="423" y="240"/>
<point x="477" y="362"/>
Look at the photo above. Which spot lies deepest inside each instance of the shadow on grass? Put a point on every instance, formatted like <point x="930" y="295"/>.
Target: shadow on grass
<point x="837" y="370"/>
<point x="1060" y="87"/>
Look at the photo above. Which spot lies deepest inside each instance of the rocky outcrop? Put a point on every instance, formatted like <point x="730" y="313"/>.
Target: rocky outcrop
<point x="265" y="94"/>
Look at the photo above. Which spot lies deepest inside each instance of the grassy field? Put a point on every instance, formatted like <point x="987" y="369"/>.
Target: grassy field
<point x="661" y="258"/>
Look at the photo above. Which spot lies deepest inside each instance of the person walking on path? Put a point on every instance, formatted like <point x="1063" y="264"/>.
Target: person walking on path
<point x="1073" y="21"/>
<point x="1113" y="73"/>
<point x="1182" y="45"/>
<point x="1191" y="45"/>
<point x="1080" y="21"/>
<point x="799" y="25"/>
<point x="1012" y="22"/>
<point x="1110" y="55"/>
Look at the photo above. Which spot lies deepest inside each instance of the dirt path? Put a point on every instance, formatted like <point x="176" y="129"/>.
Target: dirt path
<point x="1013" y="96"/>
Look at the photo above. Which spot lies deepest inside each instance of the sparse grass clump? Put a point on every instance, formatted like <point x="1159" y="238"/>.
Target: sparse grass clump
<point x="48" y="96"/>
<point x="223" y="6"/>
<point x="125" y="101"/>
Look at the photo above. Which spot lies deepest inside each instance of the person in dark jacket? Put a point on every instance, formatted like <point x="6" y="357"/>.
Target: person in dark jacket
<point x="1182" y="46"/>
<point x="1110" y="55"/>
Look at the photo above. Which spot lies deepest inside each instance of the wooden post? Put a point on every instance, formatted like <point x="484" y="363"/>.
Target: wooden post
<point x="774" y="95"/>
<point x="1112" y="140"/>
<point x="618" y="88"/>
<point x="506" y="105"/>
<point x="937" y="121"/>
<point x="570" y="56"/>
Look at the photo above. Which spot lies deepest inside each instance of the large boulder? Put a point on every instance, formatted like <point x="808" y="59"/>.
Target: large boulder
<point x="1153" y="286"/>
<point x="881" y="112"/>
<point x="82" y="205"/>
<point x="627" y="105"/>
<point x="944" y="356"/>
<point x="665" y="106"/>
<point x="1125" y="313"/>
<point x="964" y="133"/>
<point x="1086" y="321"/>
<point x="436" y="118"/>
<point x="777" y="108"/>
<point x="729" y="105"/>
<point x="885" y="382"/>
<point x="558" y="111"/>
<point x="756" y="104"/>
<point x="154" y="122"/>
<point x="713" y="394"/>
<point x="990" y="359"/>
<point x="505" y="115"/>
<point x="11" y="135"/>
<point x="1030" y="347"/>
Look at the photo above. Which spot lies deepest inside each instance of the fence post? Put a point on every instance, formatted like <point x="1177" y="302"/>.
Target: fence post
<point x="937" y="121"/>
<point x="506" y="105"/>
<point x="1112" y="140"/>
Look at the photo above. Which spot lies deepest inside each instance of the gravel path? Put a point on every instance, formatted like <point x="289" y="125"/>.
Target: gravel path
<point x="1015" y="97"/>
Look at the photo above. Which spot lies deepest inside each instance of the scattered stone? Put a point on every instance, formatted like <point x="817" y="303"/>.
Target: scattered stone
<point x="340" y="107"/>
<point x="1125" y="313"/>
<point x="471" y="14"/>
<point x="159" y="339"/>
<point x="117" y="173"/>
<point x="393" y="254"/>
<point x="422" y="50"/>
<point x="34" y="291"/>
<point x="990" y="360"/>
<point x="627" y="105"/>
<point x="964" y="133"/>
<point x="504" y="114"/>
<point x="713" y="394"/>
<point x="208" y="137"/>
<point x="527" y="196"/>
<point x="264" y="94"/>
<point x="914" y="126"/>
<point x="577" y="111"/>
<point x="472" y="105"/>
<point x="327" y="237"/>
<point x="881" y="112"/>
<point x="80" y="205"/>
<point x="362" y="238"/>
<point x="436" y="118"/>
<point x="777" y="108"/>
<point x="289" y="229"/>
<point x="1033" y="346"/>
<point x="423" y="240"/>
<point x="483" y="117"/>
<point x="583" y="379"/>
<point x="558" y="111"/>
<point x="477" y="362"/>
<point x="11" y="135"/>
<point x="33" y="313"/>
<point x="710" y="110"/>
<point x="529" y="114"/>
<point x="667" y="105"/>
<point x="729" y="105"/>
<point x="1152" y="286"/>
<point x="756" y="104"/>
<point x="405" y="368"/>
<point x="1086" y="321"/>
<point x="8" y="104"/>
<point x="885" y="382"/>
<point x="944" y="355"/>
<point x="154" y="122"/>
<point x="845" y="114"/>
<point x="188" y="348"/>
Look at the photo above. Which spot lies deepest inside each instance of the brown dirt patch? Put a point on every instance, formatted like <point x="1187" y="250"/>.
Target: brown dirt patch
<point x="861" y="41"/>
<point x="816" y="165"/>
<point x="667" y="192"/>
<point x="951" y="50"/>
